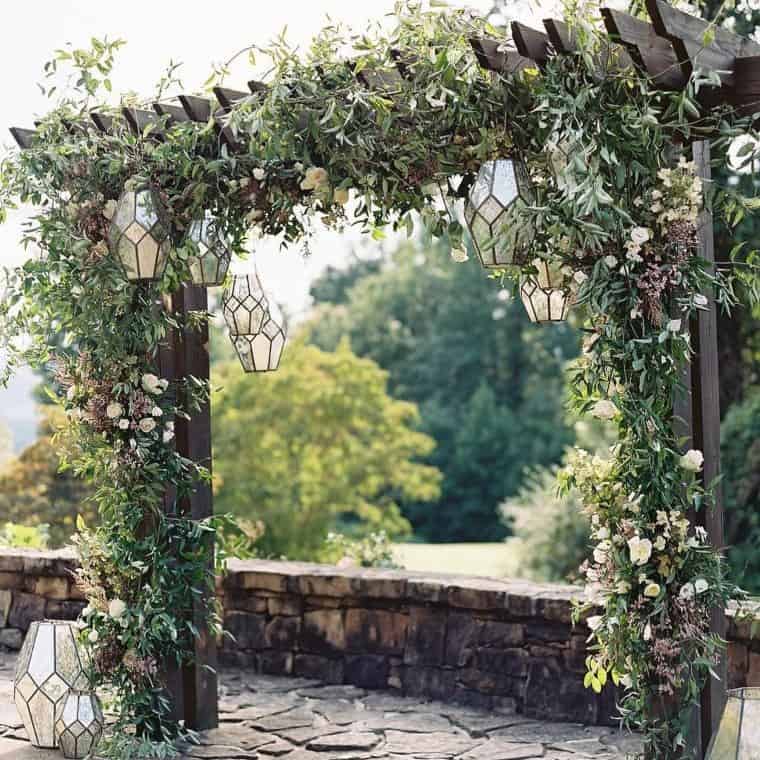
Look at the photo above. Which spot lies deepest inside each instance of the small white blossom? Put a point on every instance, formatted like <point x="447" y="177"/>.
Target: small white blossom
<point x="114" y="410"/>
<point x="459" y="255"/>
<point x="580" y="277"/>
<point x="594" y="622"/>
<point x="123" y="424"/>
<point x="157" y="411"/>
<point x="674" y="325"/>
<point x="259" y="174"/>
<point x="640" y="235"/>
<point x="151" y="383"/>
<point x="700" y="300"/>
<point x="687" y="591"/>
<point x="692" y="460"/>
<point x="604" y="409"/>
<point x="701" y="585"/>
<point x="611" y="261"/>
<point x="116" y="608"/>
<point x="93" y="637"/>
<point x="147" y="424"/>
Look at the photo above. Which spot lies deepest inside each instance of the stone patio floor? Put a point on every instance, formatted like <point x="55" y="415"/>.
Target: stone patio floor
<point x="296" y="719"/>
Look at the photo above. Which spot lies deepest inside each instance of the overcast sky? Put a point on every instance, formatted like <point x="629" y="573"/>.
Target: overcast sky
<point x="196" y="34"/>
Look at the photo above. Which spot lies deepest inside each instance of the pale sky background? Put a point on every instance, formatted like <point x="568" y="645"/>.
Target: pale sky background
<point x="196" y="34"/>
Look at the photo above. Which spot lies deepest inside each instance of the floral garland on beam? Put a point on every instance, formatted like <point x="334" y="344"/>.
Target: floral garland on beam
<point x="613" y="224"/>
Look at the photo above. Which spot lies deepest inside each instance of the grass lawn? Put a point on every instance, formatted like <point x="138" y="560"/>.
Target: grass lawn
<point x="471" y="559"/>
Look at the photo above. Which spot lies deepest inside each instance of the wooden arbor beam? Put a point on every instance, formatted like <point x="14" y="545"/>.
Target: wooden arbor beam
<point x="531" y="43"/>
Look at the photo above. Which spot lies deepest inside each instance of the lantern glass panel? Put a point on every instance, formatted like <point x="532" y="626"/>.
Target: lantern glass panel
<point x="261" y="352"/>
<point x="544" y="296"/>
<point x="212" y="259"/>
<point x="245" y="305"/>
<point x="138" y="235"/>
<point x="501" y="232"/>
<point x="79" y="724"/>
<point x="738" y="734"/>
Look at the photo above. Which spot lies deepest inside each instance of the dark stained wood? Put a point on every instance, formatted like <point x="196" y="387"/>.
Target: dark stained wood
<point x="381" y="80"/>
<point x="228" y="98"/>
<point x="102" y="121"/>
<point x="139" y="120"/>
<point x="747" y="84"/>
<point x="193" y="437"/>
<point x="706" y="437"/>
<point x="23" y="137"/>
<point x="198" y="109"/>
<point x="257" y="87"/>
<point x="531" y="43"/>
<point x="491" y="57"/>
<point x="650" y="52"/>
<point x="175" y="114"/>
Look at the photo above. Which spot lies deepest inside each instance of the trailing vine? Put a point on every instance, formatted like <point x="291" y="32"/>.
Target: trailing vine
<point x="616" y="211"/>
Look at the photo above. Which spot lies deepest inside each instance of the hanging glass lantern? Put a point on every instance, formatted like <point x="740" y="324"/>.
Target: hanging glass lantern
<point x="139" y="235"/>
<point x="79" y="724"/>
<point x="261" y="352"/>
<point x="244" y="305"/>
<point x="48" y="667"/>
<point x="211" y="257"/>
<point x="501" y="233"/>
<point x="738" y="734"/>
<point x="545" y="296"/>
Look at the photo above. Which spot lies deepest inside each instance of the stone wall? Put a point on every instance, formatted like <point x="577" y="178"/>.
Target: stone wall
<point x="456" y="638"/>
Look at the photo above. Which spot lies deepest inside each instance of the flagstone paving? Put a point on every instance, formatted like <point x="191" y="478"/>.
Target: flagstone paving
<point x="295" y="719"/>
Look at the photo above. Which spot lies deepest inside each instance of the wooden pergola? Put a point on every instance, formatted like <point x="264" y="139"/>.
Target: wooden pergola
<point x="668" y="50"/>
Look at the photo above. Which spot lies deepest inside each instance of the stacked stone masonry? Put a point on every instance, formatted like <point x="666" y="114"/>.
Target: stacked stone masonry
<point x="477" y="641"/>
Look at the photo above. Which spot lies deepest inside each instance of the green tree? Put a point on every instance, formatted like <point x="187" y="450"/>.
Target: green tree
<point x="488" y="383"/>
<point x="317" y="444"/>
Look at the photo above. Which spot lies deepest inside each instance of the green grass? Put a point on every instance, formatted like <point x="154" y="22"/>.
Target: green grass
<point x="470" y="559"/>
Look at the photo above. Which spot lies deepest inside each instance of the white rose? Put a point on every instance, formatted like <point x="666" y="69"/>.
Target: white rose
<point x="640" y="235"/>
<point x="259" y="174"/>
<point x="117" y="608"/>
<point x="611" y="261"/>
<point x="109" y="209"/>
<point x="124" y="424"/>
<point x="640" y="550"/>
<point x="701" y="585"/>
<point x="604" y="409"/>
<point x="114" y="410"/>
<point x="87" y="611"/>
<point x="157" y="411"/>
<point x="147" y="424"/>
<point x="652" y="590"/>
<point x="674" y="325"/>
<point x="687" y="591"/>
<point x="315" y="177"/>
<point x="93" y="637"/>
<point x="167" y="436"/>
<point x="594" y="622"/>
<point x="692" y="460"/>
<point x="298" y="166"/>
<point x="459" y="255"/>
<point x="151" y="383"/>
<point x="580" y="277"/>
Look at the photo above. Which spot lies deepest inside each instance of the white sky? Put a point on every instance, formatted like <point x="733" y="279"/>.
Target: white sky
<point x="196" y="34"/>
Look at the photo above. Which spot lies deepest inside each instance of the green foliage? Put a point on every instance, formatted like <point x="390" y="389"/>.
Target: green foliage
<point x="24" y="536"/>
<point x="317" y="442"/>
<point x="740" y="462"/>
<point x="374" y="550"/>
<point x="489" y="385"/>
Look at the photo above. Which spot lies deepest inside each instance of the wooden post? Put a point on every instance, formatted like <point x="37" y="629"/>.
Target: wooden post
<point x="705" y="435"/>
<point x="193" y="689"/>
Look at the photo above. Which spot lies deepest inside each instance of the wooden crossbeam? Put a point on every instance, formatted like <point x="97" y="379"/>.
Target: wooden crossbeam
<point x="175" y="114"/>
<point x="491" y="57"/>
<point x="747" y="84"/>
<point x="102" y="121"/>
<point x="257" y="87"/>
<point x="531" y="43"/>
<point x="228" y="98"/>
<point x="197" y="109"/>
<point x="651" y="53"/>
<point x="139" y="120"/>
<point x="23" y="137"/>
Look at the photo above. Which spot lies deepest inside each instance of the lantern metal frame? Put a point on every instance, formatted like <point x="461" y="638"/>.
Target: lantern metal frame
<point x="209" y="262"/>
<point x="138" y="236"/>
<point x="79" y="724"/>
<point x="501" y="235"/>
<point x="544" y="296"/>
<point x="245" y="306"/>
<point x="738" y="734"/>
<point x="49" y="666"/>
<point x="261" y="351"/>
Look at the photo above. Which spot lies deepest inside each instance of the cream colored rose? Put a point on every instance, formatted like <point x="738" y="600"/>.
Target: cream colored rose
<point x="151" y="383"/>
<point x="341" y="196"/>
<point x="652" y="590"/>
<point x="259" y="174"/>
<point x="640" y="235"/>
<point x="93" y="637"/>
<point x="117" y="608"/>
<point x="604" y="409"/>
<point x="314" y="178"/>
<point x="687" y="591"/>
<point x="692" y="460"/>
<point x="640" y="550"/>
<point x="701" y="585"/>
<point x="123" y="424"/>
<point x="114" y="410"/>
<point x="147" y="424"/>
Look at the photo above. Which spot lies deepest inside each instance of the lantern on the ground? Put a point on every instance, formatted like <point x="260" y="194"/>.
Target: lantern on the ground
<point x="209" y="256"/>
<point x="738" y="734"/>
<point x="261" y="352"/>
<point x="139" y="234"/>
<point x="501" y="232"/>
<point x="244" y="305"/>
<point x="545" y="295"/>
<point x="79" y="724"/>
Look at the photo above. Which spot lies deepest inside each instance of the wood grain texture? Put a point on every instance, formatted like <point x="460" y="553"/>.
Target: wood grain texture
<point x="175" y="114"/>
<point x="197" y="109"/>
<point x="531" y="43"/>
<point x="23" y="137"/>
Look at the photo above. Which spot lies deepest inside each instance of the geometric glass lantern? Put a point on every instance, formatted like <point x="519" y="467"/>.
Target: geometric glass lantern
<point x="502" y="234"/>
<point x="79" y="724"/>
<point x="244" y="305"/>
<point x="738" y="734"/>
<point x="48" y="667"/>
<point x="261" y="352"/>
<point x="211" y="257"/>
<point x="138" y="235"/>
<point x="543" y="295"/>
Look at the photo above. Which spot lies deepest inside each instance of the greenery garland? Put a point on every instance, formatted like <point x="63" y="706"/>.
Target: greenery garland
<point x="615" y="214"/>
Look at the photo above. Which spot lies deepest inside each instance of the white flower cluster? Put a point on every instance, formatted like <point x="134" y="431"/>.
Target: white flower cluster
<point x="680" y="196"/>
